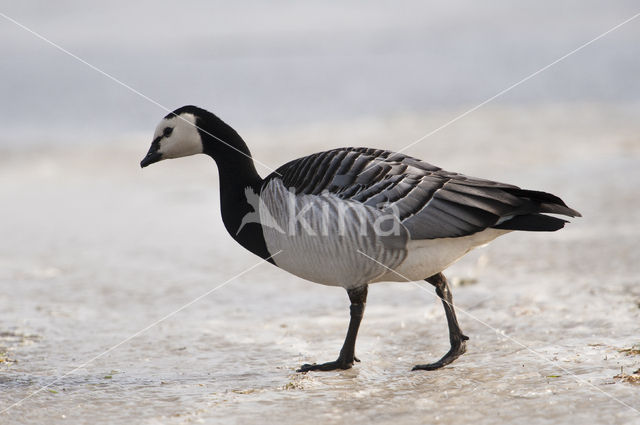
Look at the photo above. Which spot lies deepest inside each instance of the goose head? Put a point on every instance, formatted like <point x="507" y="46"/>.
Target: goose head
<point x="190" y="130"/>
<point x="176" y="135"/>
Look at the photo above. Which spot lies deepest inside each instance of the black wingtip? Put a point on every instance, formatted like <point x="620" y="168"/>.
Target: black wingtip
<point x="549" y="203"/>
<point x="559" y="209"/>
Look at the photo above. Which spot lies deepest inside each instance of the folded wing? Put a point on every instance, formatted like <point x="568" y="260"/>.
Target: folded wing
<point x="430" y="202"/>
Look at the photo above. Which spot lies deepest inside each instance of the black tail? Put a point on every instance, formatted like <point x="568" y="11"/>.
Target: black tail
<point x="533" y="223"/>
<point x="533" y="220"/>
<point x="547" y="202"/>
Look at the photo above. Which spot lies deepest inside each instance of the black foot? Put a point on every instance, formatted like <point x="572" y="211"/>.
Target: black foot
<point x="456" y="351"/>
<point x="336" y="365"/>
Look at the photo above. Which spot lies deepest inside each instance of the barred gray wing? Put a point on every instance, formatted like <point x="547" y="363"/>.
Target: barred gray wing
<point x="430" y="202"/>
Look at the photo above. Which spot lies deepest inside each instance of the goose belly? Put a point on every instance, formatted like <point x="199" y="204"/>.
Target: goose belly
<point x="327" y="240"/>
<point x="332" y="261"/>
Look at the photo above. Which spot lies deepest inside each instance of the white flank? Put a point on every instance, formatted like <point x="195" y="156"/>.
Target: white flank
<point x="427" y="257"/>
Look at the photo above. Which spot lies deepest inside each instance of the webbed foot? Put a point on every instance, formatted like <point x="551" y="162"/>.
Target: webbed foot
<point x="339" y="364"/>
<point x="456" y="351"/>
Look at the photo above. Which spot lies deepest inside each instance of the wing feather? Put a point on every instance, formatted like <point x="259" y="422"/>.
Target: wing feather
<point x="430" y="202"/>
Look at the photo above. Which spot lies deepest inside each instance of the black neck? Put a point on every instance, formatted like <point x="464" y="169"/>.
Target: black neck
<point x="237" y="173"/>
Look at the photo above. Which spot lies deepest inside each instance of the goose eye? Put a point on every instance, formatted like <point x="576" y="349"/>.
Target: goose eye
<point x="167" y="131"/>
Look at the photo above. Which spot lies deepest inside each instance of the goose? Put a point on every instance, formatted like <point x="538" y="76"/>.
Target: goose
<point x="352" y="216"/>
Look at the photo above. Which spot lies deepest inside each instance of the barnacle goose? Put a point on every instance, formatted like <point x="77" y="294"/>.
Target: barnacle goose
<point x="354" y="216"/>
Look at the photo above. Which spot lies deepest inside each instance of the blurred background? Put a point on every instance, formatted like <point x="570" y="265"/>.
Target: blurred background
<point x="280" y="63"/>
<point x="93" y="249"/>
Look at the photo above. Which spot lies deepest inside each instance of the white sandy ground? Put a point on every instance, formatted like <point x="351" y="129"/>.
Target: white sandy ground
<point x="93" y="249"/>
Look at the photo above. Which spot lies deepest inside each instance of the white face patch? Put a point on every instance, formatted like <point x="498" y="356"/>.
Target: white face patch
<point x="179" y="136"/>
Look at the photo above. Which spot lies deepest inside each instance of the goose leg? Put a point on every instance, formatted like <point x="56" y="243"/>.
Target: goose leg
<point x="456" y="337"/>
<point x="358" y="298"/>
